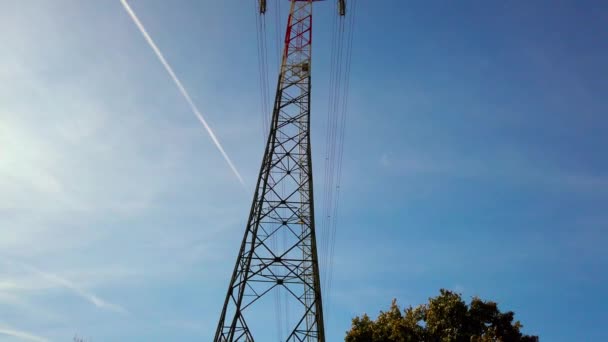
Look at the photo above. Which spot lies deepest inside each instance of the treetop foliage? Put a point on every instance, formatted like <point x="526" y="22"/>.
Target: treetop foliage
<point x="445" y="318"/>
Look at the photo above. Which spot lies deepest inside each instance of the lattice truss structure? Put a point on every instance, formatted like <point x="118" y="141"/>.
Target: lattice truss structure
<point x="278" y="252"/>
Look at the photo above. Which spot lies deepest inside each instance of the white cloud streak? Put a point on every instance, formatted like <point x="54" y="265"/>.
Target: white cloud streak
<point x="181" y="88"/>
<point x="21" y="334"/>
<point x="67" y="284"/>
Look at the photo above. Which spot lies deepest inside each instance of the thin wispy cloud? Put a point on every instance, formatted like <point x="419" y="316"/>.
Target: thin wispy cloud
<point x="77" y="290"/>
<point x="181" y="88"/>
<point x="26" y="336"/>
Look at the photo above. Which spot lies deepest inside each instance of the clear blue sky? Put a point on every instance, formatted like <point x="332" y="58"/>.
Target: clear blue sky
<point x="475" y="160"/>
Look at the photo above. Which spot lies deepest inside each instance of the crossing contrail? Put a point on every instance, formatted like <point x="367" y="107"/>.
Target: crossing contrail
<point x="90" y="297"/>
<point x="21" y="335"/>
<point x="181" y="88"/>
<point x="69" y="285"/>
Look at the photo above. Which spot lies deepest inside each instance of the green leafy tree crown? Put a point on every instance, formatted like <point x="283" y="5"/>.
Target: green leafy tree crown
<point x="445" y="318"/>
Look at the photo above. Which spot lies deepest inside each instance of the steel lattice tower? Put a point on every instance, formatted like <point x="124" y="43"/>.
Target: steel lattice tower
<point x="278" y="251"/>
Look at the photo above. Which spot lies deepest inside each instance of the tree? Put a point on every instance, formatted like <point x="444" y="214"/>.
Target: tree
<point x="445" y="318"/>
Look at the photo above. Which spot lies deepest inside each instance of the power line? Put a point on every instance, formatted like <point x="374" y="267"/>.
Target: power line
<point x="337" y="147"/>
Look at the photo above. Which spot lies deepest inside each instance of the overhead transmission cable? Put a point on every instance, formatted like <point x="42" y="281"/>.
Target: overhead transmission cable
<point x="334" y="100"/>
<point x="337" y="116"/>
<point x="342" y="130"/>
<point x="263" y="70"/>
<point x="327" y="189"/>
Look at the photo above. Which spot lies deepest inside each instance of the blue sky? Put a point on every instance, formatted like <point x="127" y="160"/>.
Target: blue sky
<point x="474" y="160"/>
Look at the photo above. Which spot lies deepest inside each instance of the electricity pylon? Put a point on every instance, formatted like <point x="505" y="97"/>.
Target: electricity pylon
<point x="279" y="252"/>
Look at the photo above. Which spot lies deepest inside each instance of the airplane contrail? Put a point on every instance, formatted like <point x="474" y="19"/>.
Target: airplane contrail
<point x="21" y="334"/>
<point x="181" y="88"/>
<point x="98" y="302"/>
<point x="90" y="297"/>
